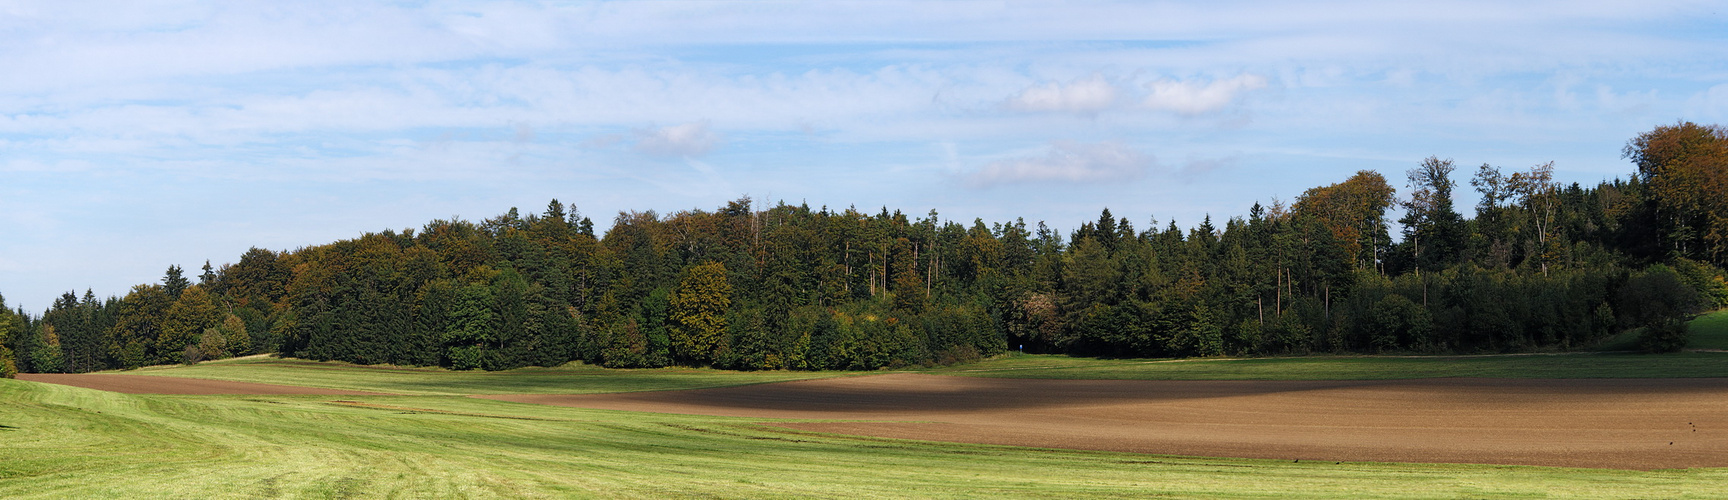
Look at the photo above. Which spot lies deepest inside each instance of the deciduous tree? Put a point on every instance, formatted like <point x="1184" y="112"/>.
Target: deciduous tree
<point x="696" y="311"/>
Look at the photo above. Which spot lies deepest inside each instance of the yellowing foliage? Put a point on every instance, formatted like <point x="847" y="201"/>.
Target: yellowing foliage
<point x="697" y="311"/>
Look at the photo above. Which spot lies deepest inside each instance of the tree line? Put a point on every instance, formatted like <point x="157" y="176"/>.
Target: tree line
<point x="1540" y="266"/>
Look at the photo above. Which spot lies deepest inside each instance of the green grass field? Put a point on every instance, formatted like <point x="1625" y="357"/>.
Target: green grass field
<point x="574" y="378"/>
<point x="67" y="442"/>
<point x="1710" y="331"/>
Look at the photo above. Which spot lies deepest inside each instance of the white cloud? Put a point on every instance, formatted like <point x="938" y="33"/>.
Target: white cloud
<point x="1712" y="104"/>
<point x="1200" y="167"/>
<point x="1069" y="162"/>
<point x="1086" y="96"/>
<point x="1193" y="97"/>
<point x="689" y="140"/>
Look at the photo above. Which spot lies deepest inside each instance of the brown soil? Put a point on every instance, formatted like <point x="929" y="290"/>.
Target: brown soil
<point x="1603" y="423"/>
<point x="145" y="384"/>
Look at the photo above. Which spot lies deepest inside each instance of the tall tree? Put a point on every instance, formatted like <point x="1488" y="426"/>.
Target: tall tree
<point x="183" y="326"/>
<point x="1355" y="212"/>
<point x="132" y="341"/>
<point x="1432" y="228"/>
<point x="1686" y="166"/>
<point x="696" y="311"/>
<point x="175" y="282"/>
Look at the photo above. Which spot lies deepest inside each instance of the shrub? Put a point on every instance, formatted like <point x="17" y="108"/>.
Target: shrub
<point x="1665" y="336"/>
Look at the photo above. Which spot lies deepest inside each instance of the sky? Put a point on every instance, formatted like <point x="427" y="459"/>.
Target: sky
<point x="139" y="134"/>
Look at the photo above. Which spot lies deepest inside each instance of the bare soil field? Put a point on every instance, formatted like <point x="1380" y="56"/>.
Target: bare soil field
<point x="144" y="384"/>
<point x="1600" y="423"/>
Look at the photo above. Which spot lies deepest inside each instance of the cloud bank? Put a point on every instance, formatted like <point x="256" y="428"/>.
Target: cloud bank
<point x="1193" y="97"/>
<point x="689" y="140"/>
<point x="1086" y="96"/>
<point x="1066" y="162"/>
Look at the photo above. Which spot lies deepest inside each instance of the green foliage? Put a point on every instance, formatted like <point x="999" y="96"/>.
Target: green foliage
<point x="697" y="312"/>
<point x="8" y="365"/>
<point x="1709" y="281"/>
<point x="46" y="356"/>
<point x="1660" y="301"/>
<point x="175" y="282"/>
<point x="626" y="347"/>
<point x="236" y="341"/>
<point x="1395" y="322"/>
<point x="133" y="341"/>
<point x="1665" y="336"/>
<point x="185" y="323"/>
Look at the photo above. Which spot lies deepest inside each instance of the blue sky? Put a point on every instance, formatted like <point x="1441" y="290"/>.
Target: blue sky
<point x="138" y="134"/>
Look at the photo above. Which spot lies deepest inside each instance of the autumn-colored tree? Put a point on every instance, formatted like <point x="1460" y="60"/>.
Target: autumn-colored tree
<point x="696" y="311"/>
<point x="1686" y="165"/>
<point x="1355" y="212"/>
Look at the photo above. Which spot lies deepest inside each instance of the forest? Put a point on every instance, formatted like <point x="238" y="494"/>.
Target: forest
<point x="1541" y="266"/>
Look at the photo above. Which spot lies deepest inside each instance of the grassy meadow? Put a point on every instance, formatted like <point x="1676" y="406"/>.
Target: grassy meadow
<point x="1709" y="331"/>
<point x="574" y="378"/>
<point x="433" y="442"/>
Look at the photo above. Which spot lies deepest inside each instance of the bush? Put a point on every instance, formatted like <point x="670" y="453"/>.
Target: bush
<point x="1664" y="336"/>
<point x="1709" y="281"/>
<point x="1655" y="296"/>
<point x="467" y="357"/>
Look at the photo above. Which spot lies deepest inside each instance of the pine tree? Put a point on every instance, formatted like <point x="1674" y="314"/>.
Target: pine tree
<point x="174" y="282"/>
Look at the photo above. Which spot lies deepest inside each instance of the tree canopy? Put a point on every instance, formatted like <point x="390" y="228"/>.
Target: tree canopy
<point x="752" y="286"/>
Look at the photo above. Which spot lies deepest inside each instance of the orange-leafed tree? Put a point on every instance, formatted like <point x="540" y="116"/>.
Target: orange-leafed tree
<point x="1686" y="165"/>
<point x="1354" y="211"/>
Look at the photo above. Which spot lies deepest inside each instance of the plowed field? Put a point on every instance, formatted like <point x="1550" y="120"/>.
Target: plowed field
<point x="1602" y="423"/>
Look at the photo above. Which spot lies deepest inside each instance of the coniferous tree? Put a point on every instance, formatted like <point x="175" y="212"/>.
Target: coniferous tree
<point x="174" y="282"/>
